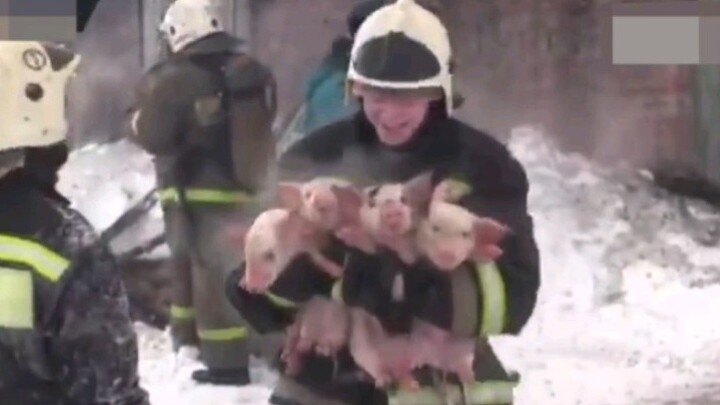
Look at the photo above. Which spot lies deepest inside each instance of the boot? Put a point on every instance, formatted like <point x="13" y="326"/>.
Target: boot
<point x="234" y="376"/>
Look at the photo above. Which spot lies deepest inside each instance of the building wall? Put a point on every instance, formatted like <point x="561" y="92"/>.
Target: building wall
<point x="519" y="61"/>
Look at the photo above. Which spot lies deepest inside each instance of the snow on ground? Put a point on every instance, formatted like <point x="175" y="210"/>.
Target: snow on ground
<point x="626" y="312"/>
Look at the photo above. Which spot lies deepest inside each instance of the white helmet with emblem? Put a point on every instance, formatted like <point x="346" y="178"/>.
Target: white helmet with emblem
<point x="33" y="77"/>
<point x="186" y="21"/>
<point x="403" y="46"/>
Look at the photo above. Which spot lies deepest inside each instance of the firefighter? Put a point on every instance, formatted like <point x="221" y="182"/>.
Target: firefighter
<point x="205" y="114"/>
<point x="401" y="72"/>
<point x="65" y="333"/>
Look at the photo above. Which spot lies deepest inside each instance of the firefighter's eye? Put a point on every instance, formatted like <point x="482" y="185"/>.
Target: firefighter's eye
<point x="269" y="256"/>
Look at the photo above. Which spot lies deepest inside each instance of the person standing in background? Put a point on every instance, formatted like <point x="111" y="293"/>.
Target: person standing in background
<point x="205" y="114"/>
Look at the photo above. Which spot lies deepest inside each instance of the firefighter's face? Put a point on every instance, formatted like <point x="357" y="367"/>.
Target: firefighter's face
<point x="395" y="116"/>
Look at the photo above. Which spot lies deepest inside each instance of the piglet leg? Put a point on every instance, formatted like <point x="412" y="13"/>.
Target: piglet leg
<point x="357" y="237"/>
<point x="325" y="264"/>
<point x="457" y="356"/>
<point x="398" y="358"/>
<point x="322" y="325"/>
<point x="291" y="354"/>
<point x="437" y="348"/>
<point x="365" y="339"/>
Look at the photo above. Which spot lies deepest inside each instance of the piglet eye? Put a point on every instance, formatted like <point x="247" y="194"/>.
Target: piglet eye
<point x="403" y="200"/>
<point x="435" y="228"/>
<point x="466" y="235"/>
<point x="269" y="256"/>
<point x="307" y="195"/>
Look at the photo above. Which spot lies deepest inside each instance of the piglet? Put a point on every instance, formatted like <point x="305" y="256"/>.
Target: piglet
<point x="321" y="325"/>
<point x="326" y="202"/>
<point x="273" y="240"/>
<point x="387" y="359"/>
<point x="389" y="217"/>
<point x="438" y="348"/>
<point x="451" y="234"/>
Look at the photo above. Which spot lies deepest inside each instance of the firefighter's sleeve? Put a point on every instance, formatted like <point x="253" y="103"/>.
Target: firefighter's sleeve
<point x="160" y="113"/>
<point x="275" y="310"/>
<point x="95" y="347"/>
<point x="508" y="287"/>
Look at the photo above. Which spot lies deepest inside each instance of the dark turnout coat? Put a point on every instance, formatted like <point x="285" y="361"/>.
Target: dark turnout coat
<point x="504" y="298"/>
<point x="66" y="336"/>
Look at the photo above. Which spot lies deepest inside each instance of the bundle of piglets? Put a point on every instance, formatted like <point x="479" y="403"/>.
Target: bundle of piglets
<point x="413" y="219"/>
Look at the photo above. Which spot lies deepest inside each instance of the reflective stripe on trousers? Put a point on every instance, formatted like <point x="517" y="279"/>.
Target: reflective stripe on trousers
<point x="180" y="313"/>
<point x="479" y="393"/>
<point x="223" y="335"/>
<point x="201" y="195"/>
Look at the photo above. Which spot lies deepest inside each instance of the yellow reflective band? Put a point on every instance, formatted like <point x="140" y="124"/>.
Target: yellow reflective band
<point x="479" y="393"/>
<point x="336" y="292"/>
<point x="16" y="299"/>
<point x="280" y="301"/>
<point x="198" y="195"/>
<point x="222" y="334"/>
<point x="494" y="302"/>
<point x="489" y="392"/>
<point x="43" y="260"/>
<point x="178" y="312"/>
<point x="457" y="189"/>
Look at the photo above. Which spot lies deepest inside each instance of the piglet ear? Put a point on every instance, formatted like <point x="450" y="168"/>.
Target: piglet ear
<point x="488" y="235"/>
<point x="290" y="195"/>
<point x="349" y="202"/>
<point x="419" y="191"/>
<point x="489" y="231"/>
<point x="369" y="193"/>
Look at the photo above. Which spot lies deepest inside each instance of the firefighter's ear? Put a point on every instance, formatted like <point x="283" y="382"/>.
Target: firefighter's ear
<point x="290" y="195"/>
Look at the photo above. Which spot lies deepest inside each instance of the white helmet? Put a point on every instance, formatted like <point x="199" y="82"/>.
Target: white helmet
<point x="33" y="79"/>
<point x="403" y="46"/>
<point x="186" y="21"/>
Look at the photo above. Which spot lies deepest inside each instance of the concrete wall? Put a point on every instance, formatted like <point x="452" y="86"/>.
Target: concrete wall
<point x="518" y="61"/>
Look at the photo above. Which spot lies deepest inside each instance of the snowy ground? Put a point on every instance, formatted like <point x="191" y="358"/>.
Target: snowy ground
<point x="627" y="309"/>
